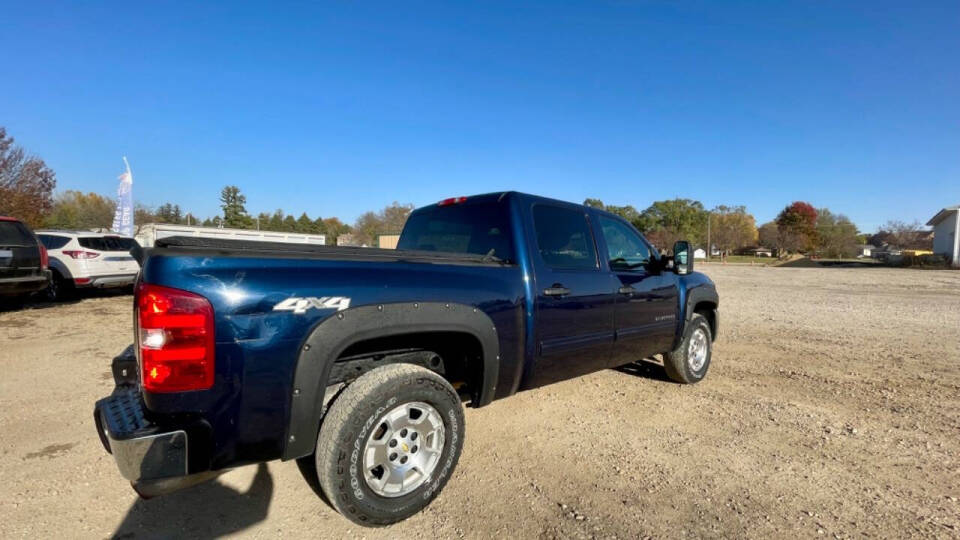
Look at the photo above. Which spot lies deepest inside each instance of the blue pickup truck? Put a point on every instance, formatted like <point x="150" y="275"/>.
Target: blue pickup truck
<point x="356" y="362"/>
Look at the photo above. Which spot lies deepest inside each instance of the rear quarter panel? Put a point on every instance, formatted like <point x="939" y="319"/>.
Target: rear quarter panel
<point x="257" y="346"/>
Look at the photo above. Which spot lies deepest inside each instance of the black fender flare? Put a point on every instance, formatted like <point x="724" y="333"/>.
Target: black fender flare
<point x="696" y="295"/>
<point x="333" y="335"/>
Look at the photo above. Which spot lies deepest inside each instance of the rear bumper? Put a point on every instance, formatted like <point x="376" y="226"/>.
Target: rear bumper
<point x="142" y="450"/>
<point x="156" y="458"/>
<point x="104" y="282"/>
<point x="24" y="285"/>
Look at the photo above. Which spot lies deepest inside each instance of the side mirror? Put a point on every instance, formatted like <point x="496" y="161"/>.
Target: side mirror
<point x="683" y="258"/>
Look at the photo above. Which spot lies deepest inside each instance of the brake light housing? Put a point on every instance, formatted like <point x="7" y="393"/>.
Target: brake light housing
<point x="452" y="200"/>
<point x="44" y="258"/>
<point x="80" y="254"/>
<point x="175" y="339"/>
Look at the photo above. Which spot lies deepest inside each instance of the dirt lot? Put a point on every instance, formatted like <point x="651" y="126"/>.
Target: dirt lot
<point x="832" y="408"/>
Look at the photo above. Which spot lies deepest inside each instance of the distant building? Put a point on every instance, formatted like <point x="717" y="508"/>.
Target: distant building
<point x="699" y="253"/>
<point x="388" y="241"/>
<point x="866" y="250"/>
<point x="946" y="233"/>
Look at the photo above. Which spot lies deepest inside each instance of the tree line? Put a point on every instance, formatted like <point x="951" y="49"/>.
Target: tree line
<point x="798" y="228"/>
<point x="27" y="192"/>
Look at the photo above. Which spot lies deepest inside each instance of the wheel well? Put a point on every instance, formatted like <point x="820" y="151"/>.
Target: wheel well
<point x="461" y="354"/>
<point x="708" y="310"/>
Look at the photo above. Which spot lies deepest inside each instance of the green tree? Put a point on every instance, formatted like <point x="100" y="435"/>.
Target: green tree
<point x="836" y="235"/>
<point x="593" y="203"/>
<point x="276" y="221"/>
<point x="234" y="208"/>
<point x="289" y="224"/>
<point x="305" y="224"/>
<point x="319" y="227"/>
<point x="665" y="222"/>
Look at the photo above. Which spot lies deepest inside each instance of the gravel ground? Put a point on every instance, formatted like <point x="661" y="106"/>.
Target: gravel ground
<point x="832" y="408"/>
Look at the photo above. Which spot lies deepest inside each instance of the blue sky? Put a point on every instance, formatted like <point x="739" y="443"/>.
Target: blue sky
<point x="336" y="108"/>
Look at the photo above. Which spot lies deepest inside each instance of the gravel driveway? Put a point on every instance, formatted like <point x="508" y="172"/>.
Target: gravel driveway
<point x="832" y="408"/>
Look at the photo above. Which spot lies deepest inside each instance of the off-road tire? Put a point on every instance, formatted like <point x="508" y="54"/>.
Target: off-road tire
<point x="677" y="363"/>
<point x="346" y="427"/>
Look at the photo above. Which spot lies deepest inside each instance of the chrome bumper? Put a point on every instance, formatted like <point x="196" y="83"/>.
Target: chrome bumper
<point x="141" y="450"/>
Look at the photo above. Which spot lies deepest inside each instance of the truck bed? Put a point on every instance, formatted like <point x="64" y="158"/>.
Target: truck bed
<point x="246" y="248"/>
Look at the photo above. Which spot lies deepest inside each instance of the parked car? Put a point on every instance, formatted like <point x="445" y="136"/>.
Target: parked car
<point x="23" y="261"/>
<point x="88" y="260"/>
<point x="356" y="361"/>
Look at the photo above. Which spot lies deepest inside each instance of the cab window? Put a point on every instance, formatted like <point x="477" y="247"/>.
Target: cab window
<point x="564" y="238"/>
<point x="627" y="251"/>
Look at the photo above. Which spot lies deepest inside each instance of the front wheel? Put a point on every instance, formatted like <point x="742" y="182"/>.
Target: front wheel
<point x="389" y="444"/>
<point x="688" y="364"/>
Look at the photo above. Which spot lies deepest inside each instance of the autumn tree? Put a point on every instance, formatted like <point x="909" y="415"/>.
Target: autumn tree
<point x="796" y="228"/>
<point x="390" y="220"/>
<point x="732" y="228"/>
<point x="767" y="235"/>
<point x="836" y="235"/>
<point x="26" y="183"/>
<point x="77" y="210"/>
<point x="904" y="235"/>
<point x="334" y="228"/>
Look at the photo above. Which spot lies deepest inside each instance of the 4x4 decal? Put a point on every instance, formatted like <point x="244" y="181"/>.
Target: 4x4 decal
<point x="301" y="305"/>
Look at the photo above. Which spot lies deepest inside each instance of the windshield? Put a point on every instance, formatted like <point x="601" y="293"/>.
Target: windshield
<point x="480" y="229"/>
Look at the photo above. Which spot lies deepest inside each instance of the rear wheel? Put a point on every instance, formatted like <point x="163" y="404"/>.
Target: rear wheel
<point x="59" y="289"/>
<point x="690" y="361"/>
<point x="389" y="444"/>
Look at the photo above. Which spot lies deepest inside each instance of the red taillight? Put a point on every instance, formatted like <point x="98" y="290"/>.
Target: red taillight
<point x="44" y="257"/>
<point x="452" y="200"/>
<point x="80" y="254"/>
<point x="175" y="337"/>
<point x="81" y="281"/>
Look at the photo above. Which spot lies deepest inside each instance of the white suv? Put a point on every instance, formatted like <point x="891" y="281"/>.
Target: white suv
<point x="84" y="259"/>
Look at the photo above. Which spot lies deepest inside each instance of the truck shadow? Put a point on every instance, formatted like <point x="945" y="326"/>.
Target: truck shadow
<point x="206" y="511"/>
<point x="647" y="368"/>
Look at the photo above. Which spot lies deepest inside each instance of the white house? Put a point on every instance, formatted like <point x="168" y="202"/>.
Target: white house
<point x="699" y="253"/>
<point x="946" y="233"/>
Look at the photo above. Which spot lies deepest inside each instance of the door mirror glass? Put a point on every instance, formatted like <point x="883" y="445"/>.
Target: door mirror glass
<point x="683" y="259"/>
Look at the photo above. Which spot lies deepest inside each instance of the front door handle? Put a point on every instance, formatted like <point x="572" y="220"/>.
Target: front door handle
<point x="626" y="290"/>
<point x="556" y="290"/>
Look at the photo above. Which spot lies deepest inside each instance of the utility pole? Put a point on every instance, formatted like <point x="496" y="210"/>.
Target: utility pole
<point x="709" y="245"/>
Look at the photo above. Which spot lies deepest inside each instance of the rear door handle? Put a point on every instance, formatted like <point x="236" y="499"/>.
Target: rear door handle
<point x="556" y="290"/>
<point x="626" y="290"/>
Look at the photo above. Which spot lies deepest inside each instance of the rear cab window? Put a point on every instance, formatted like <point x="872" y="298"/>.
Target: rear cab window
<point x="479" y="229"/>
<point x="563" y="237"/>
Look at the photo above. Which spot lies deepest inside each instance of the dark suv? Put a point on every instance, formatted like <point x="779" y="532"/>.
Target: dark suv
<point x="23" y="260"/>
